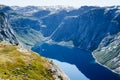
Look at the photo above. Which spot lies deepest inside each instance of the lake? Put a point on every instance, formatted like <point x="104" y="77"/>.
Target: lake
<point x="76" y="63"/>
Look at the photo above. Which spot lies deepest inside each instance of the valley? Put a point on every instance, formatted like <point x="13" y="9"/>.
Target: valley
<point x="66" y="34"/>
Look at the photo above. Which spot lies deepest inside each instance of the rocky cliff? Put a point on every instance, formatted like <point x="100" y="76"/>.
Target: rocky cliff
<point x="108" y="52"/>
<point x="6" y="33"/>
<point x="87" y="30"/>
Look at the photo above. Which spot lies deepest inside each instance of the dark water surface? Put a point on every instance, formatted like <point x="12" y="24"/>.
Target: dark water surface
<point x="83" y="60"/>
<point x="71" y="70"/>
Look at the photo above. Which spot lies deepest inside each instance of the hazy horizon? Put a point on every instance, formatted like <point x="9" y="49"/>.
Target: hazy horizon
<point x="72" y="3"/>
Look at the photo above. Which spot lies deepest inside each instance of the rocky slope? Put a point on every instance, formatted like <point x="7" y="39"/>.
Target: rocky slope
<point x="6" y="33"/>
<point x="18" y="63"/>
<point x="108" y="52"/>
<point x="24" y="26"/>
<point x="27" y="30"/>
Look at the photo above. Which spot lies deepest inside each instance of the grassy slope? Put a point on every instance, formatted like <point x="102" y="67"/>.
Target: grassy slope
<point x="110" y="58"/>
<point x="21" y="65"/>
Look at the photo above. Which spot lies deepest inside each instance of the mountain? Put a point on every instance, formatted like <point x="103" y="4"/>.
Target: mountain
<point x="27" y="22"/>
<point x="87" y="30"/>
<point x="108" y="52"/>
<point x="90" y="28"/>
<point x="54" y="20"/>
<point x="27" y="30"/>
<point x="42" y="21"/>
<point x="25" y="27"/>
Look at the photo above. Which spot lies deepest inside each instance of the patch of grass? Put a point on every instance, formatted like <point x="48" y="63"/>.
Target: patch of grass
<point x="16" y="65"/>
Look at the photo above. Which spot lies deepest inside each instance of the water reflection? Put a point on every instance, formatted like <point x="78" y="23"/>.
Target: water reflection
<point x="82" y="59"/>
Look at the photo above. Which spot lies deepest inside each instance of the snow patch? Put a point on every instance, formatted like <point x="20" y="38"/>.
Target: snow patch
<point x="44" y="26"/>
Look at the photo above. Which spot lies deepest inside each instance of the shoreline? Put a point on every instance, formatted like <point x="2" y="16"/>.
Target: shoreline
<point x="104" y="65"/>
<point x="59" y="71"/>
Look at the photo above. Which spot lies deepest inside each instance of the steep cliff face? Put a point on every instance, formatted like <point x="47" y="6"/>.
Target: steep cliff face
<point x="24" y="26"/>
<point x="87" y="30"/>
<point x="27" y="30"/>
<point x="6" y="33"/>
<point x="108" y="52"/>
<point x="52" y="21"/>
<point x="27" y="25"/>
<point x="55" y="18"/>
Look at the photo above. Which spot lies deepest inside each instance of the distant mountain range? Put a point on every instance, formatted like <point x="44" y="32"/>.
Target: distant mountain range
<point x="96" y="29"/>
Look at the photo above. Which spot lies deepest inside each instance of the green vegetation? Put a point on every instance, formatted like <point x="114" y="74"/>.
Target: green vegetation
<point x="22" y="65"/>
<point x="109" y="57"/>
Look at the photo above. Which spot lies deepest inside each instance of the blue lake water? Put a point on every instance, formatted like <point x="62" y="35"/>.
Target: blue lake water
<point x="77" y="64"/>
<point x="71" y="70"/>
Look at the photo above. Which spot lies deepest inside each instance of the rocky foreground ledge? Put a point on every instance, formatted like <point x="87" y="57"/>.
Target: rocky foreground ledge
<point x="18" y="63"/>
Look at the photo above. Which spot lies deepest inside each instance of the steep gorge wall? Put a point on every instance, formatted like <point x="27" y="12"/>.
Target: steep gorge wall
<point x="6" y="33"/>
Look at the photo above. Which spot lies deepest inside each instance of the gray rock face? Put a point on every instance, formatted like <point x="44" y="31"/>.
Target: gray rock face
<point x="54" y="19"/>
<point x="108" y="52"/>
<point x="6" y="33"/>
<point x="87" y="30"/>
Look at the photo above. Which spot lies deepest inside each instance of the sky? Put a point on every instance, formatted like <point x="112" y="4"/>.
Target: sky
<point x="74" y="3"/>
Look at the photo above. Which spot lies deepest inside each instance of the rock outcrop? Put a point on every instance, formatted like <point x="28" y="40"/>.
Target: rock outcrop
<point x="6" y="33"/>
